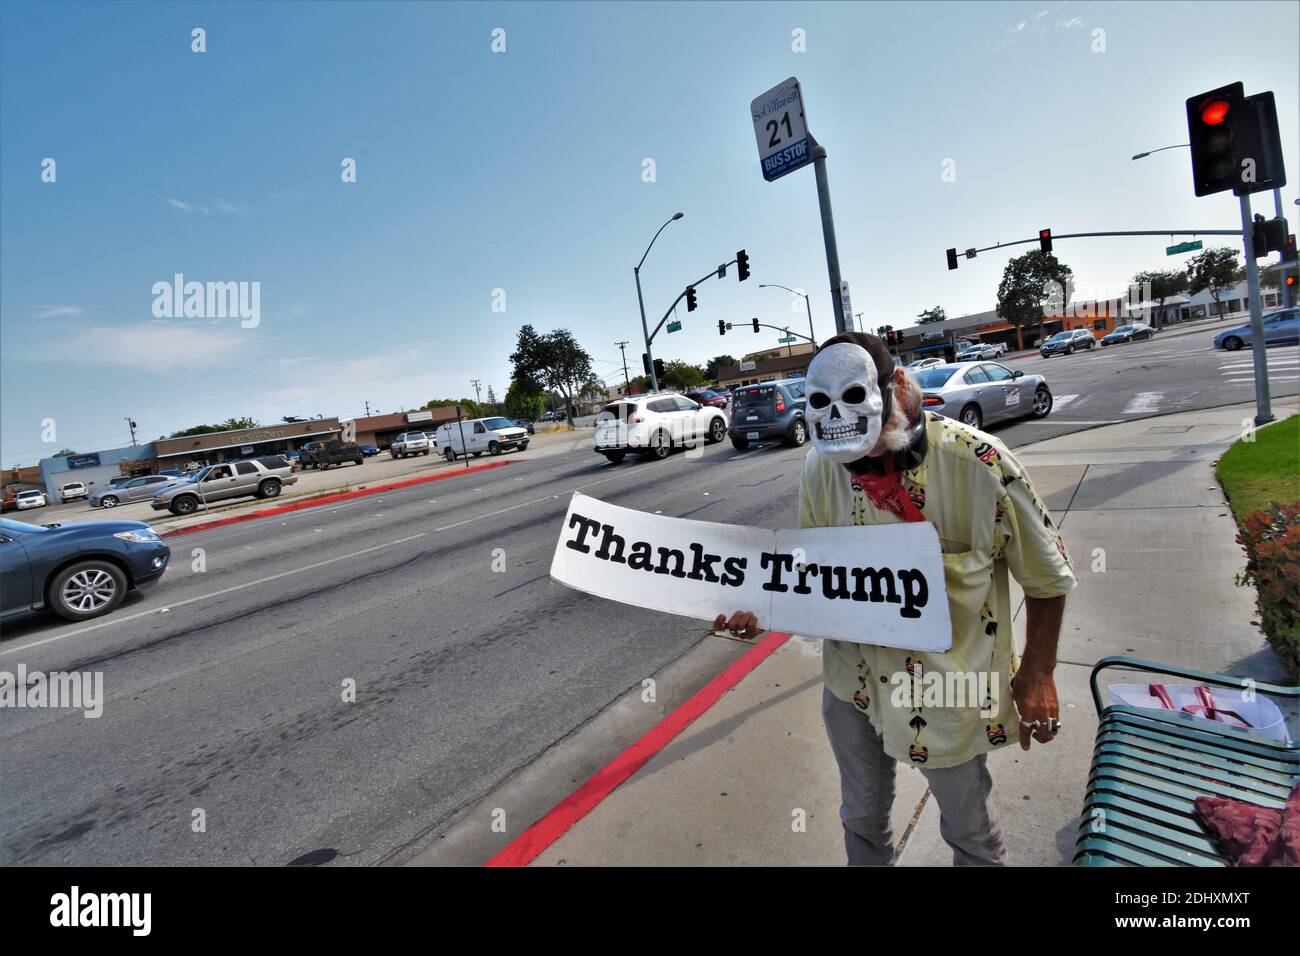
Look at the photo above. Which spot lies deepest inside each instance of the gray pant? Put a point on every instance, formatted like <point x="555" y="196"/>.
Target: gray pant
<point x="966" y="819"/>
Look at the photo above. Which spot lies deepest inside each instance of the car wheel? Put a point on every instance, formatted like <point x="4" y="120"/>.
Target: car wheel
<point x="717" y="431"/>
<point x="1042" y="402"/>
<point x="523" y="446"/>
<point x="108" y="501"/>
<point x="740" y="444"/>
<point x="477" y="453"/>
<point x="184" y="505"/>
<point x="972" y="416"/>
<point x="449" y="455"/>
<point x="661" y="445"/>
<point x="426" y="451"/>
<point x="269" y="488"/>
<point x="1232" y="343"/>
<point x="87" y="589"/>
<point x="494" y="448"/>
<point x="1069" y="350"/>
<point x="798" y="433"/>
<point x="615" y="457"/>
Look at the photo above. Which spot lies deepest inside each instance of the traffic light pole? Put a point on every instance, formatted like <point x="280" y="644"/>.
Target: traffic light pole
<point x="828" y="229"/>
<point x="1263" y="405"/>
<point x="645" y="331"/>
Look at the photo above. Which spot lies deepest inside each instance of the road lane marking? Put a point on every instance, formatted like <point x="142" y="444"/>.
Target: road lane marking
<point x="1060" y="401"/>
<point x="206" y="597"/>
<point x="1143" y="402"/>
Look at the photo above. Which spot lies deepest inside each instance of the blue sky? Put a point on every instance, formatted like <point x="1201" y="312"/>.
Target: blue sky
<point x="522" y="171"/>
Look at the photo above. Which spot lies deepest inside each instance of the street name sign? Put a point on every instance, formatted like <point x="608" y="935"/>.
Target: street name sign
<point x="1183" y="247"/>
<point x="787" y="340"/>
<point x="780" y="130"/>
<point x="674" y="326"/>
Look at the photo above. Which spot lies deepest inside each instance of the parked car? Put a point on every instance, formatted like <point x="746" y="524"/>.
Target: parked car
<point x="370" y="451"/>
<point x="259" y="477"/>
<point x="119" y="480"/>
<point x="1128" y="333"/>
<point x="491" y="435"/>
<point x="78" y="570"/>
<point x="410" y="443"/>
<point x="978" y="352"/>
<point x="73" y="490"/>
<point x="654" y="424"/>
<point x="923" y="363"/>
<point x="133" y="489"/>
<point x="30" y="498"/>
<point x="1280" y="328"/>
<point x="769" y="410"/>
<point x="983" y="393"/>
<point x="323" y="454"/>
<point x="526" y="424"/>
<point x="1067" y="343"/>
<point x="552" y="417"/>
<point x="293" y="455"/>
<point x="707" y="396"/>
<point x="173" y="473"/>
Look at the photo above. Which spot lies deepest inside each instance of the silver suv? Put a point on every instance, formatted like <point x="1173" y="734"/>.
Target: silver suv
<point x="411" y="443"/>
<point x="258" y="477"/>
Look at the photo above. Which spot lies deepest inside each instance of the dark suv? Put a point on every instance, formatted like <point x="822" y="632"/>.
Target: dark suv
<point x="767" y="411"/>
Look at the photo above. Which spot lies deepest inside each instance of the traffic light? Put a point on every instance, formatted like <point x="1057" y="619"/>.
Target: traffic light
<point x="755" y="323"/>
<point x="659" y="369"/>
<point x="1234" y="140"/>
<point x="722" y="327"/>
<point x="1045" y="240"/>
<point x="952" y="259"/>
<point x="1274" y="235"/>
<point x="742" y="265"/>
<point x="645" y="362"/>
<point x="690" y="298"/>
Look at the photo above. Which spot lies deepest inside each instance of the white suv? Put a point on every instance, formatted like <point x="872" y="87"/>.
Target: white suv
<point x="411" y="443"/>
<point x="73" y="490"/>
<point x="655" y="424"/>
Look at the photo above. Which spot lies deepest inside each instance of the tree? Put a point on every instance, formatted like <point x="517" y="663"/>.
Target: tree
<point x="1215" y="270"/>
<point x="711" y="368"/>
<point x="492" y="400"/>
<point x="65" y="453"/>
<point x="229" y="425"/>
<point x="468" y="407"/>
<point x="554" y="360"/>
<point x="681" y="376"/>
<point x="524" y="400"/>
<point x="932" y="315"/>
<point x="1029" y="282"/>
<point x="1159" y="285"/>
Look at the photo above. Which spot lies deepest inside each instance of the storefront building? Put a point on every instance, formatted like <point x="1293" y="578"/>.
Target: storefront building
<point x="216" y="447"/>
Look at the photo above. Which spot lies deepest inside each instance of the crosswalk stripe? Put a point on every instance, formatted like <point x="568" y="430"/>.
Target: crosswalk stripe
<point x="1060" y="401"/>
<point x="1143" y="402"/>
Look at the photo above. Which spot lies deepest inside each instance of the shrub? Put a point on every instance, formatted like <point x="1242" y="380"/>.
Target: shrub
<point x="1271" y="538"/>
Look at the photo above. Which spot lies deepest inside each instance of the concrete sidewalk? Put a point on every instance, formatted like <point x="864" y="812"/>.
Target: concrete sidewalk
<point x="752" y="781"/>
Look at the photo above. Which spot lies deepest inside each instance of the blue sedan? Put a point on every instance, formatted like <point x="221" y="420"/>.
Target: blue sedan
<point x="79" y="570"/>
<point x="1280" y="328"/>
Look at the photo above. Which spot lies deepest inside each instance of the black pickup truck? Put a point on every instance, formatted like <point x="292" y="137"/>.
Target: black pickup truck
<point x="322" y="454"/>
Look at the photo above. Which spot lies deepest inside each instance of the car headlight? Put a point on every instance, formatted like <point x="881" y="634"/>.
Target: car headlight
<point x="139" y="537"/>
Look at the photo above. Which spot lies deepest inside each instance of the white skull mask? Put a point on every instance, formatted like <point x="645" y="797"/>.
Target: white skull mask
<point x="845" y="406"/>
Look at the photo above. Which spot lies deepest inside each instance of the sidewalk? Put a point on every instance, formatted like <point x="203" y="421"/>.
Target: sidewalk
<point x="753" y="782"/>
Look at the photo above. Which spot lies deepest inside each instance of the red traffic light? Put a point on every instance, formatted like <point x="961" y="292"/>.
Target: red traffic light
<point x="1045" y="240"/>
<point x="1214" y="112"/>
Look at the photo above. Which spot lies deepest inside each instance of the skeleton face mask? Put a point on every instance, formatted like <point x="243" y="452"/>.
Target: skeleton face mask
<point x="845" y="406"/>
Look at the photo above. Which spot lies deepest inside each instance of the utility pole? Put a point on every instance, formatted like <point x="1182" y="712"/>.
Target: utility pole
<point x="1263" y="404"/>
<point x="858" y="316"/>
<point x="476" y="383"/>
<point x="131" y="425"/>
<point x="367" y="409"/>
<point x="622" y="348"/>
<point x="828" y="229"/>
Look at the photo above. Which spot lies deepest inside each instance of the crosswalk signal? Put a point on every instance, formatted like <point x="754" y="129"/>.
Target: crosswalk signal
<point x="952" y="259"/>
<point x="645" y="362"/>
<point x="1045" y="240"/>
<point x="659" y="369"/>
<point x="690" y="298"/>
<point x="742" y="265"/>
<point x="756" y="324"/>
<point x="722" y="327"/>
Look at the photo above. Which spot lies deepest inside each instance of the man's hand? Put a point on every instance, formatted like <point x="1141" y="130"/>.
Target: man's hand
<point x="1035" y="694"/>
<point x="743" y="624"/>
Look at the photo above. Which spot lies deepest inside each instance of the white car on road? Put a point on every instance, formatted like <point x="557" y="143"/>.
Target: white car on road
<point x="30" y="499"/>
<point x="410" y="443"/>
<point x="654" y="425"/>
<point x="73" y="490"/>
<point x="491" y="435"/>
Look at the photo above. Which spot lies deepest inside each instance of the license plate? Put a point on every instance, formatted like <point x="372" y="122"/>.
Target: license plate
<point x="751" y="436"/>
<point x="752" y="418"/>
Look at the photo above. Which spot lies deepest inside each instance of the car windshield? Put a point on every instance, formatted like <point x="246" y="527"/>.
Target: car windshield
<point x="1060" y="336"/>
<point x="1125" y="328"/>
<point x="934" y="377"/>
<point x="499" y="423"/>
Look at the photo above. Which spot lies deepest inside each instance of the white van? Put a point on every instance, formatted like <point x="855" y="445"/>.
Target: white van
<point x="491" y="435"/>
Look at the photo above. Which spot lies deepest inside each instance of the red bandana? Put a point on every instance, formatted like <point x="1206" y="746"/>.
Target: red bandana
<point x="886" y="492"/>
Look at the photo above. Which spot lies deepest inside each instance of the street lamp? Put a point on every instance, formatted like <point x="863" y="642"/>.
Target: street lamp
<point x="772" y="285"/>
<point x="1162" y="149"/>
<point x="645" y="329"/>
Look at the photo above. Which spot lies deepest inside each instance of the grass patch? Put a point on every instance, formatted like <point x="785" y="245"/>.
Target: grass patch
<point x="1255" y="474"/>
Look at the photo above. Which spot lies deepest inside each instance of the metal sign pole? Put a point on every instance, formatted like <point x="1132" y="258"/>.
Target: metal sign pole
<point x="818" y="154"/>
<point x="461" y="426"/>
<point x="1263" y="406"/>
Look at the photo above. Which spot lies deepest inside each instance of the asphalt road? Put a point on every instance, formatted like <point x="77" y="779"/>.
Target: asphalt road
<point x="225" y="687"/>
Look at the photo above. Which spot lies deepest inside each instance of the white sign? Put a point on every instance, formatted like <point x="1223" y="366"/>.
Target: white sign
<point x="879" y="585"/>
<point x="747" y="366"/>
<point x="848" y="306"/>
<point x="422" y="416"/>
<point x="780" y="130"/>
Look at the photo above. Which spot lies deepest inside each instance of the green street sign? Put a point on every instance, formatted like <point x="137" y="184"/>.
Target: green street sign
<point x="1183" y="247"/>
<point x="787" y="340"/>
<point x="674" y="326"/>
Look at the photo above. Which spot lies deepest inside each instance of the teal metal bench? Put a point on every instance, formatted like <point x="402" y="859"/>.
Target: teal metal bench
<point x="1149" y="765"/>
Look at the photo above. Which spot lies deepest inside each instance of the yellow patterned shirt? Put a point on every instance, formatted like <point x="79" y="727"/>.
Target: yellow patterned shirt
<point x="942" y="709"/>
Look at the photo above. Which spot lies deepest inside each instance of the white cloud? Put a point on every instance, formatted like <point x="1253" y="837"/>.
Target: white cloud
<point x="157" y="346"/>
<point x="1019" y="26"/>
<point x="223" y="206"/>
<point x="1071" y="23"/>
<point x="1040" y="14"/>
<point x="187" y="207"/>
<point x="59" y="311"/>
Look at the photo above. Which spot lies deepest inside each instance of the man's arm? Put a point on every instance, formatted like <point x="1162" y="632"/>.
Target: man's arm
<point x="1033" y="686"/>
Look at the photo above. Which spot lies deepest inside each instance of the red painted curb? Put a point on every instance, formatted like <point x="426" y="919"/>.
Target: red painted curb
<point x="327" y="500"/>
<point x="528" y="845"/>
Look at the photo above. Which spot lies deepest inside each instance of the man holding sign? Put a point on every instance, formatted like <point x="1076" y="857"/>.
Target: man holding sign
<point x="879" y="459"/>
